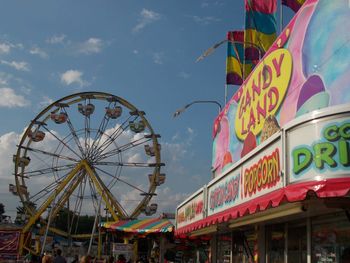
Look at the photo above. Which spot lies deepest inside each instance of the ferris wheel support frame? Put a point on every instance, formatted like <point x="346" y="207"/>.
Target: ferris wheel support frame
<point x="101" y="188"/>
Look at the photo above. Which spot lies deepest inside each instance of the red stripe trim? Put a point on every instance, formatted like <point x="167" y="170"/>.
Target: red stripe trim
<point x="294" y="192"/>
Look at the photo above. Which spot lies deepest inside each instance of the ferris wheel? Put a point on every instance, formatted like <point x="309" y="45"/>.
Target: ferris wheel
<point x="90" y="152"/>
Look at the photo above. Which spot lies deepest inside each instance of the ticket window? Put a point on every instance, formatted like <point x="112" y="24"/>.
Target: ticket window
<point x="331" y="238"/>
<point x="275" y="237"/>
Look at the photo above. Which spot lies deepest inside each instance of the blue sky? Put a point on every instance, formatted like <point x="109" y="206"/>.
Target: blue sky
<point x="142" y="51"/>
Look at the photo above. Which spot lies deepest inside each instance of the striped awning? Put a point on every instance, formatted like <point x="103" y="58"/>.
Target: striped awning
<point x="144" y="226"/>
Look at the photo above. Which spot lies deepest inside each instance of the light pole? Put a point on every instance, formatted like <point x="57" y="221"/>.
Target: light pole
<point x="179" y="111"/>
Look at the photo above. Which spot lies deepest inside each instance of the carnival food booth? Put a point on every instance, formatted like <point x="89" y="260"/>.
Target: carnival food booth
<point x="138" y="239"/>
<point x="281" y="155"/>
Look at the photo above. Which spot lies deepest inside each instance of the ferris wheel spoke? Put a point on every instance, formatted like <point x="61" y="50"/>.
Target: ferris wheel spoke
<point x="121" y="180"/>
<point x="61" y="141"/>
<point x="87" y="131"/>
<point x="48" y="153"/>
<point x="123" y="148"/>
<point x="110" y="139"/>
<point x="101" y="130"/>
<point x="68" y="192"/>
<point x="74" y="134"/>
<point x="48" y="170"/>
<point x="79" y="204"/>
<point x="93" y="195"/>
<point x="130" y="164"/>
<point x="106" y="194"/>
<point x="43" y="192"/>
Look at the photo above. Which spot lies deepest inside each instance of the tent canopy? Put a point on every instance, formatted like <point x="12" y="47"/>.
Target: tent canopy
<point x="144" y="226"/>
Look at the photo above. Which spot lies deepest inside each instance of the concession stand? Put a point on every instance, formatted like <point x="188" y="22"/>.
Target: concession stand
<point x="280" y="190"/>
<point x="138" y="239"/>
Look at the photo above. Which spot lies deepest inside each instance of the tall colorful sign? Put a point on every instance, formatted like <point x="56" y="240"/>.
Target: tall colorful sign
<point x="305" y="69"/>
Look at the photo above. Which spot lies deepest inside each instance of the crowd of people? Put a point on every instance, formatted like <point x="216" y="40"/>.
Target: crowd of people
<point x="58" y="258"/>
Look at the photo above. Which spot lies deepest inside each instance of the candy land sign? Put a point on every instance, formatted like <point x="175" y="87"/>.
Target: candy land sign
<point x="262" y="95"/>
<point x="307" y="68"/>
<point x="319" y="151"/>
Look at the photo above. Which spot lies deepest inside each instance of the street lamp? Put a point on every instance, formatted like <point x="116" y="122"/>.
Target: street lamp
<point x="179" y="111"/>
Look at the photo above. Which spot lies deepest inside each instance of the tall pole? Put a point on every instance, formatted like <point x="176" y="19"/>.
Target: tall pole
<point x="281" y="17"/>
<point x="179" y="111"/>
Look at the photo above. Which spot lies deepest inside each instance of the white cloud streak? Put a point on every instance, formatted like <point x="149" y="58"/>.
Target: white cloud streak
<point x="39" y="52"/>
<point x="21" y="66"/>
<point x="184" y="75"/>
<point x="5" y="48"/>
<point x="90" y="46"/>
<point x="205" y="20"/>
<point x="56" y="39"/>
<point x="146" y="17"/>
<point x="73" y="76"/>
<point x="9" y="99"/>
<point x="158" y="58"/>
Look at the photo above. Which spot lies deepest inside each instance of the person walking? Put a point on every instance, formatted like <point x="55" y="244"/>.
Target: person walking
<point x="59" y="258"/>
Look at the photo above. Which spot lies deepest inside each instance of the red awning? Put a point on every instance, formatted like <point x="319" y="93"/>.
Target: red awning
<point x="292" y="193"/>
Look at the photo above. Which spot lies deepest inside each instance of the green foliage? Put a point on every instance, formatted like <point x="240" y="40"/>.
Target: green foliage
<point x="81" y="224"/>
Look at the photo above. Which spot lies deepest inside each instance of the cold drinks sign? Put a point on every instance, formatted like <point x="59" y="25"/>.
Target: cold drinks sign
<point x="320" y="149"/>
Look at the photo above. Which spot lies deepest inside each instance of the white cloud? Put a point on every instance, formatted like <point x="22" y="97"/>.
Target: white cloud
<point x="184" y="75"/>
<point x="5" y="48"/>
<point x="146" y="17"/>
<point x="168" y="200"/>
<point x="158" y="58"/>
<point x="37" y="51"/>
<point x="9" y="99"/>
<point x="56" y="39"/>
<point x="205" y="20"/>
<point x="45" y="101"/>
<point x="73" y="76"/>
<point x="135" y="51"/>
<point x="92" y="45"/>
<point x="22" y="66"/>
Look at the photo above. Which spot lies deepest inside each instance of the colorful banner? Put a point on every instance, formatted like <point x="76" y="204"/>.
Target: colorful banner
<point x="260" y="27"/>
<point x="235" y="58"/>
<point x="293" y="4"/>
<point x="319" y="150"/>
<point x="305" y="69"/>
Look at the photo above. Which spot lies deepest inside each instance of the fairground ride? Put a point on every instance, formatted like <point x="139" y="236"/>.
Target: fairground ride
<point x="89" y="153"/>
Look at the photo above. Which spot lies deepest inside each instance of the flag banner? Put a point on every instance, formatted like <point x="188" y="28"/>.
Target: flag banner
<point x="234" y="60"/>
<point x="293" y="4"/>
<point x="260" y="28"/>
